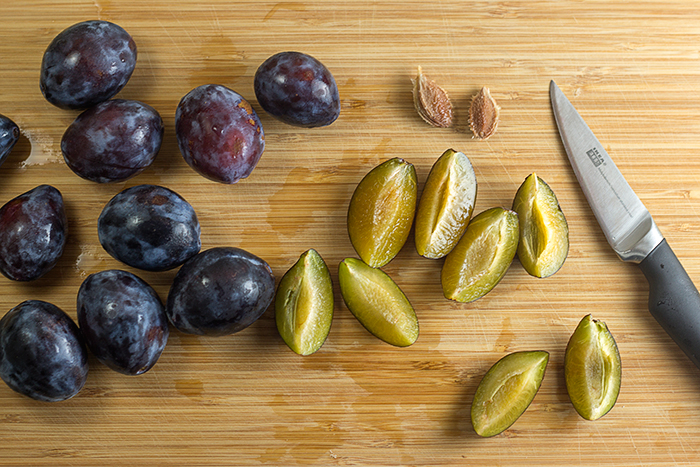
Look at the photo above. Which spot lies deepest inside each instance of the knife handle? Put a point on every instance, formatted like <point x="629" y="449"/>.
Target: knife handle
<point x="673" y="299"/>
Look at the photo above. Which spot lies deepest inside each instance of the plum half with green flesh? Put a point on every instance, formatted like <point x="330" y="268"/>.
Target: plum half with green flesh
<point x="378" y="303"/>
<point x="446" y="205"/>
<point x="304" y="304"/>
<point x="544" y="232"/>
<point x="482" y="256"/>
<point x="381" y="211"/>
<point x="507" y="390"/>
<point x="592" y="369"/>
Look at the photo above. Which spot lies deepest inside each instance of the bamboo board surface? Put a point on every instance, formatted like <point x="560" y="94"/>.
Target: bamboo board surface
<point x="631" y="68"/>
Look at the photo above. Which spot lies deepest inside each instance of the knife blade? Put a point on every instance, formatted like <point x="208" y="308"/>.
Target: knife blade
<point x="674" y="300"/>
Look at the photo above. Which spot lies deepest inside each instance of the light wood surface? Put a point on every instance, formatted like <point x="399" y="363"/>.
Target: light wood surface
<point x="631" y="68"/>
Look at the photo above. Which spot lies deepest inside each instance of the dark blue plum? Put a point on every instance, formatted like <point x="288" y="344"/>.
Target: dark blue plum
<point x="220" y="291"/>
<point x="9" y="134"/>
<point x="149" y="227"/>
<point x="86" y="64"/>
<point x="297" y="89"/>
<point x="33" y="231"/>
<point x="113" y="141"/>
<point x="42" y="352"/>
<point x="123" y="321"/>
<point x="219" y="134"/>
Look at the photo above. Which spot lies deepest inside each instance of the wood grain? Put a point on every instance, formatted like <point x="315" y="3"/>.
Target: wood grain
<point x="631" y="68"/>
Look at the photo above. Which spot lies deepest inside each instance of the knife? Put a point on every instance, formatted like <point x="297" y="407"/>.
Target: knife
<point x="674" y="300"/>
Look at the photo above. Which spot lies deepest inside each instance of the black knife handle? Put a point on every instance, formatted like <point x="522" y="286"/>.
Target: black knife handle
<point x="673" y="299"/>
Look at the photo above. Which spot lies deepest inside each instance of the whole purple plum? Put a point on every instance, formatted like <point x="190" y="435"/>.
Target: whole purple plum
<point x="149" y="227"/>
<point x="220" y="291"/>
<point x="297" y="89"/>
<point x="123" y="321"/>
<point x="9" y="134"/>
<point x="86" y="64"/>
<point x="113" y="141"/>
<point x="42" y="352"/>
<point x="219" y="134"/>
<point x="33" y="230"/>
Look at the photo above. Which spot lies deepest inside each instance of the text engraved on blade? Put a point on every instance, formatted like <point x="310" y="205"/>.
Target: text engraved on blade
<point x="595" y="157"/>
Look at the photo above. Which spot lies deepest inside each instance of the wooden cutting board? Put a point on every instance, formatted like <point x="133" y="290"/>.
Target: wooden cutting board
<point x="631" y="68"/>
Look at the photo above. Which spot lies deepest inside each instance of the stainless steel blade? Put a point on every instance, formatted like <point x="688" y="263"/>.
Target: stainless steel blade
<point x="625" y="221"/>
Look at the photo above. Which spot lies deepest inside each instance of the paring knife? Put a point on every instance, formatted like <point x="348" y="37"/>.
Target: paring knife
<point x="673" y="298"/>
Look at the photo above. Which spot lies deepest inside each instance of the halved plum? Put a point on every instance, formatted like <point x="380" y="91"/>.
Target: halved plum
<point x="592" y="369"/>
<point x="378" y="303"/>
<point x="381" y="211"/>
<point x="507" y="390"/>
<point x="304" y="304"/>
<point x="446" y="205"/>
<point x="482" y="256"/>
<point x="544" y="232"/>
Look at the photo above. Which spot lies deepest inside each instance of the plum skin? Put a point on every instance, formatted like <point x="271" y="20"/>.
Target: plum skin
<point x="87" y="63"/>
<point x="33" y="231"/>
<point x="219" y="133"/>
<point x="42" y="352"/>
<point x="113" y="141"/>
<point x="123" y="321"/>
<point x="219" y="292"/>
<point x="9" y="135"/>
<point x="297" y="89"/>
<point x="149" y="227"/>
